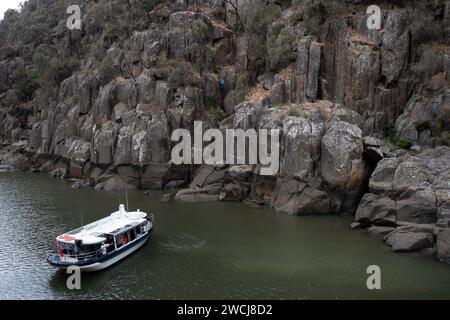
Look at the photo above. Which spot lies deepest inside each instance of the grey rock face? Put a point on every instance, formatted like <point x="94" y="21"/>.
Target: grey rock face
<point x="382" y="231"/>
<point x="312" y="86"/>
<point x="297" y="198"/>
<point x="155" y="176"/>
<point x="104" y="103"/>
<point x="443" y="245"/>
<point x="428" y="169"/>
<point x="233" y="192"/>
<point x="79" y="153"/>
<point x="187" y="35"/>
<point x="403" y="240"/>
<point x="411" y="191"/>
<point x="417" y="207"/>
<point x="115" y="183"/>
<point x="341" y="157"/>
<point x="376" y="210"/>
<point x="104" y="144"/>
<point x="395" y="45"/>
<point x="421" y="112"/>
<point x="301" y="147"/>
<point x="335" y="51"/>
<point x="207" y="194"/>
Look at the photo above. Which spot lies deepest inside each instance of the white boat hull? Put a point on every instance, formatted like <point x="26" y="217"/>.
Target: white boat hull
<point x="97" y="266"/>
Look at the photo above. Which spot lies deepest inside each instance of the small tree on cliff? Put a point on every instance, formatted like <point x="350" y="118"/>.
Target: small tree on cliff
<point x="232" y="6"/>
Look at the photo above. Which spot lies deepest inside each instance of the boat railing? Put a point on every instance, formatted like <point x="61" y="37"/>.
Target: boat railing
<point x="86" y="256"/>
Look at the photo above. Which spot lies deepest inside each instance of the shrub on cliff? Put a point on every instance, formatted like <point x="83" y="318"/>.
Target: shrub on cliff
<point x="431" y="62"/>
<point x="257" y="16"/>
<point x="280" y="42"/>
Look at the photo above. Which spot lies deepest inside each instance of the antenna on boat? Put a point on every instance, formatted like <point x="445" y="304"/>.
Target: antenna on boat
<point x="126" y="196"/>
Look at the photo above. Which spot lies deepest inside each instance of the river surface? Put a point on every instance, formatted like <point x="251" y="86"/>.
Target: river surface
<point x="200" y="251"/>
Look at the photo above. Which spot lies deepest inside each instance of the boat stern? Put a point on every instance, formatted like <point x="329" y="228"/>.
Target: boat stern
<point x="55" y="260"/>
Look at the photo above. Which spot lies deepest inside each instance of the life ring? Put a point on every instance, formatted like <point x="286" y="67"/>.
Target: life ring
<point x="125" y="238"/>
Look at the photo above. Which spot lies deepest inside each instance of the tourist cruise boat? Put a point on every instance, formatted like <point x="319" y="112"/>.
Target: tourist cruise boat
<point x="103" y="243"/>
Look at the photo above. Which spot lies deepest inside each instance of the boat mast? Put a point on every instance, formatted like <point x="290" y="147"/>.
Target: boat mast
<point x="126" y="196"/>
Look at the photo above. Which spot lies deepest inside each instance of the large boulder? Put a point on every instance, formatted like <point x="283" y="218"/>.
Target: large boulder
<point x="383" y="177"/>
<point x="206" y="194"/>
<point x="207" y="175"/>
<point x="342" y="155"/>
<point x="443" y="208"/>
<point x="427" y="169"/>
<point x="296" y="198"/>
<point x="406" y="240"/>
<point x="342" y="165"/>
<point x="417" y="206"/>
<point x="233" y="192"/>
<point x="422" y="119"/>
<point x="443" y="245"/>
<point x="301" y="147"/>
<point x="79" y="154"/>
<point x="115" y="183"/>
<point x="376" y="210"/>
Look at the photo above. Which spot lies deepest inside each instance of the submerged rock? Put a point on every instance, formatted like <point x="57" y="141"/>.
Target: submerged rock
<point x="443" y="245"/>
<point x="115" y="183"/>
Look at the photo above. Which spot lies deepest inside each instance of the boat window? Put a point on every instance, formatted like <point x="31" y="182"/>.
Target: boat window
<point x="67" y="248"/>
<point x="132" y="234"/>
<point x="109" y="243"/>
<point x="88" y="251"/>
<point x="119" y="241"/>
<point x="90" y="248"/>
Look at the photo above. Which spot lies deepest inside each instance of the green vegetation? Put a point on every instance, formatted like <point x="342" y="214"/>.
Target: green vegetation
<point x="280" y="42"/>
<point x="99" y="124"/>
<point x="217" y="116"/>
<point x="431" y="62"/>
<point x="258" y="15"/>
<point x="210" y="102"/>
<point x="445" y="138"/>
<point x="293" y="112"/>
<point x="391" y="137"/>
<point x="45" y="52"/>
<point x="403" y="143"/>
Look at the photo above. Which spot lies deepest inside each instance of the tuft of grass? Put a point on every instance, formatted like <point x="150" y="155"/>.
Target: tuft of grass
<point x="99" y="124"/>
<point x="293" y="112"/>
<point x="404" y="143"/>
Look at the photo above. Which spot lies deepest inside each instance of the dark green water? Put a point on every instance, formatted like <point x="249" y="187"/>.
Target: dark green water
<point x="200" y="251"/>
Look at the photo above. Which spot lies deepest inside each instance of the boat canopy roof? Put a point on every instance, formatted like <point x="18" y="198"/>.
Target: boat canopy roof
<point x="94" y="232"/>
